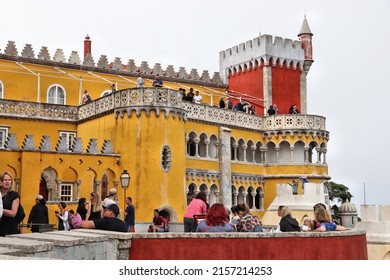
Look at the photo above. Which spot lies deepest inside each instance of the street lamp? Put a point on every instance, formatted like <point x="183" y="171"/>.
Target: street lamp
<point x="125" y="182"/>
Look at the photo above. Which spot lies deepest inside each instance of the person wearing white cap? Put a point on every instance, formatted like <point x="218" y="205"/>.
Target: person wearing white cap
<point x="38" y="214"/>
<point x="111" y="199"/>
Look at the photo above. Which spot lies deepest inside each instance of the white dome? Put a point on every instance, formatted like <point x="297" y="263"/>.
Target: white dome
<point x="348" y="207"/>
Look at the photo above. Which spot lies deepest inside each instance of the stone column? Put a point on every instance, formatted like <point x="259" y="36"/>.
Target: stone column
<point x="216" y="196"/>
<point x="235" y="195"/>
<point x="324" y="151"/>
<point x="235" y="146"/>
<point x="263" y="157"/>
<point x="217" y="149"/>
<point x="292" y="154"/>
<point x="253" y="194"/>
<point x="267" y="86"/>
<point x="244" y="194"/>
<point x="78" y="183"/>
<point x="253" y="148"/>
<point x="57" y="198"/>
<point x="306" y="154"/>
<point x="197" y="140"/>
<point x="207" y="142"/>
<point x="244" y="147"/>
<point x="318" y="155"/>
<point x="225" y="167"/>
<point x="96" y="185"/>
<point x="277" y="154"/>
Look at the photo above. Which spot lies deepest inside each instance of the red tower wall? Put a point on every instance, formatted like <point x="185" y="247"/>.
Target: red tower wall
<point x="286" y="88"/>
<point x="251" y="83"/>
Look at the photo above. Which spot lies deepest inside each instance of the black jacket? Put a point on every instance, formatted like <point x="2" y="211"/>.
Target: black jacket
<point x="38" y="214"/>
<point x="288" y="223"/>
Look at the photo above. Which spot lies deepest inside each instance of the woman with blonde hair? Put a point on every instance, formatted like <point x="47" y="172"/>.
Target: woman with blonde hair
<point x="287" y="222"/>
<point x="11" y="200"/>
<point x="95" y="209"/>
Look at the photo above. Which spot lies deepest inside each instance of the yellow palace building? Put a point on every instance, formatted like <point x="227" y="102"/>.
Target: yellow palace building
<point x="172" y="149"/>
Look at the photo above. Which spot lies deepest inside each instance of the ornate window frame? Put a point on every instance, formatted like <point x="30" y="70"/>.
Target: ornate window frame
<point x="166" y="158"/>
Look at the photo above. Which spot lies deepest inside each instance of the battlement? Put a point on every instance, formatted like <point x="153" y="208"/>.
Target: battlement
<point x="103" y="64"/>
<point x="261" y="50"/>
<point x="369" y="213"/>
<point x="62" y="146"/>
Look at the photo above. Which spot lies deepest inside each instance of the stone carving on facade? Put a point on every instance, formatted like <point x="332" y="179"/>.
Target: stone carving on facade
<point x="62" y="145"/>
<point x="29" y="143"/>
<point x="49" y="175"/>
<point x="45" y="144"/>
<point x="12" y="142"/>
<point x="107" y="147"/>
<point x="93" y="146"/>
<point x="77" y="145"/>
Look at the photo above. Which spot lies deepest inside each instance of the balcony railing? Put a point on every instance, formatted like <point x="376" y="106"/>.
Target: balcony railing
<point x="158" y="97"/>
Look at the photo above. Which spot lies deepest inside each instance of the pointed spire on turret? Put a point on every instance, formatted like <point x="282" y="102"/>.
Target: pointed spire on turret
<point x="305" y="36"/>
<point x="305" y="29"/>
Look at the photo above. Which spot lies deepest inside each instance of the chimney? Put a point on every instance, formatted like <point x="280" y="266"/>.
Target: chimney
<point x="87" y="46"/>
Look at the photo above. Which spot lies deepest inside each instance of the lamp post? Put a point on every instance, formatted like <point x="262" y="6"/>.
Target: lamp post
<point x="125" y="182"/>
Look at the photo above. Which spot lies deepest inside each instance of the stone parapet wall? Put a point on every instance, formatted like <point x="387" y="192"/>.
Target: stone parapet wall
<point x="164" y="101"/>
<point x="77" y="244"/>
<point x="83" y="244"/>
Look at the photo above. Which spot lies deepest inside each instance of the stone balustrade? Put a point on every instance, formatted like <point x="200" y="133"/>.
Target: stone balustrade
<point x="158" y="99"/>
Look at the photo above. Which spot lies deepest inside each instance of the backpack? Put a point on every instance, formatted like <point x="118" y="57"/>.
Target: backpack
<point x="166" y="224"/>
<point x="20" y="215"/>
<point x="89" y="99"/>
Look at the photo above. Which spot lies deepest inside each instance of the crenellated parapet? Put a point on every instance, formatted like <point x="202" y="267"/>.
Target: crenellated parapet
<point x="61" y="146"/>
<point x="263" y="50"/>
<point x="103" y="64"/>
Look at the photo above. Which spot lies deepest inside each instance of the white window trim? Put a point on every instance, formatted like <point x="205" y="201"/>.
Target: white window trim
<point x="4" y="138"/>
<point x="71" y="196"/>
<point x="48" y="90"/>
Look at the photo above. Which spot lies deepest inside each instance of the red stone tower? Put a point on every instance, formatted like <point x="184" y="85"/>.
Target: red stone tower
<point x="269" y="70"/>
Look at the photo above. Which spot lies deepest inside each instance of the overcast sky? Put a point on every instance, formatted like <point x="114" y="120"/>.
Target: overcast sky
<point x="348" y="82"/>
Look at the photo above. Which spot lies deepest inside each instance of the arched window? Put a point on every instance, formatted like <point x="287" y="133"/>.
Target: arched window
<point x="56" y="95"/>
<point x="1" y="90"/>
